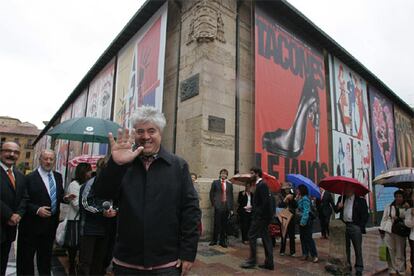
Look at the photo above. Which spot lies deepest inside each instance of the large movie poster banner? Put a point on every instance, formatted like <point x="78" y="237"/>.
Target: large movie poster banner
<point x="404" y="138"/>
<point x="140" y="69"/>
<point x="291" y="134"/>
<point x="100" y="103"/>
<point x="383" y="143"/>
<point x="61" y="146"/>
<point x="75" y="147"/>
<point x="350" y="125"/>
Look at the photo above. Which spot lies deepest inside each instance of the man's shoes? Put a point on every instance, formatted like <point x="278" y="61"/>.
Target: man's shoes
<point x="292" y="254"/>
<point x="315" y="260"/>
<point x="212" y="243"/>
<point x="282" y="254"/>
<point x="248" y="265"/>
<point x="267" y="266"/>
<point x="304" y="258"/>
<point x="223" y="244"/>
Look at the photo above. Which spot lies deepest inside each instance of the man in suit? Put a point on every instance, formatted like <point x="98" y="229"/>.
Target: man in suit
<point x="12" y="199"/>
<point x="261" y="217"/>
<point x="37" y="229"/>
<point x="221" y="197"/>
<point x="325" y="206"/>
<point x="353" y="211"/>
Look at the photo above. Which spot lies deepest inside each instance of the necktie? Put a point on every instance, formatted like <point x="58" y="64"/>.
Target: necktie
<point x="11" y="177"/>
<point x="52" y="190"/>
<point x="223" y="191"/>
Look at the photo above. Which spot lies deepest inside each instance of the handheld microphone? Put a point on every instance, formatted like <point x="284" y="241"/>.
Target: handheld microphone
<point x="106" y="205"/>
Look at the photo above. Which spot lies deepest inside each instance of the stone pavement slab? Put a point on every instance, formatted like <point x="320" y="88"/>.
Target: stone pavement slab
<point x="215" y="260"/>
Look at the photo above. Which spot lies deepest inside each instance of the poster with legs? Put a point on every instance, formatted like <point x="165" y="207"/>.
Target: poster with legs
<point x="349" y="111"/>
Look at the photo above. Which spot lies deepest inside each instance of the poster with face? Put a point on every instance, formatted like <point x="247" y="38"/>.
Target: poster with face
<point x="349" y="105"/>
<point x="404" y="138"/>
<point x="140" y="69"/>
<point x="383" y="143"/>
<point x="291" y="131"/>
<point x="61" y="146"/>
<point x="99" y="104"/>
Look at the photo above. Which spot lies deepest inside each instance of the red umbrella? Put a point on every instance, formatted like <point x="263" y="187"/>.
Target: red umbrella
<point x="337" y="185"/>
<point x="272" y="182"/>
<point x="91" y="159"/>
<point x="241" y="179"/>
<point x="246" y="178"/>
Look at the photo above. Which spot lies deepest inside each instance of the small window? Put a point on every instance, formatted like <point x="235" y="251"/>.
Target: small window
<point x="3" y="139"/>
<point x="28" y="155"/>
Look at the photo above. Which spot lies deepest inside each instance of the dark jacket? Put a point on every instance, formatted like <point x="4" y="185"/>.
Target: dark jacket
<point x="32" y="224"/>
<point x="158" y="210"/>
<point x="92" y="220"/>
<point x="326" y="205"/>
<point x="242" y="201"/>
<point x="262" y="205"/>
<point x="360" y="213"/>
<point x="12" y="201"/>
<point x="216" y="192"/>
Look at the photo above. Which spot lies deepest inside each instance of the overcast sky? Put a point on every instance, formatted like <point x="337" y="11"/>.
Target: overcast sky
<point x="47" y="46"/>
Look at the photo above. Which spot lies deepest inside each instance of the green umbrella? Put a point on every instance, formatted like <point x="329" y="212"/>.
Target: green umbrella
<point x="85" y="129"/>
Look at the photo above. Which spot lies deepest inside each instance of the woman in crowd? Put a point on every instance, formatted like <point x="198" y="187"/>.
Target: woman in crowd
<point x="82" y="174"/>
<point x="95" y="223"/>
<point x="409" y="221"/>
<point x="290" y="203"/>
<point x="305" y="224"/>
<point x="394" y="242"/>
<point x="244" y="211"/>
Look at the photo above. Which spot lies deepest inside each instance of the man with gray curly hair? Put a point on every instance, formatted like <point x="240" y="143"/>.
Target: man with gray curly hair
<point x="158" y="205"/>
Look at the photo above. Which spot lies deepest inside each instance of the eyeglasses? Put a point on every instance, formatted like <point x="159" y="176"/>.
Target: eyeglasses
<point x="17" y="152"/>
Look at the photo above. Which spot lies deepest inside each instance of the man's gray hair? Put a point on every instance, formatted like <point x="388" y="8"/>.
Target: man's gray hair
<point x="148" y="114"/>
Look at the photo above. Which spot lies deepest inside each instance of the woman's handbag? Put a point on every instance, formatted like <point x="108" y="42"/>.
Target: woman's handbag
<point x="398" y="226"/>
<point x="72" y="233"/>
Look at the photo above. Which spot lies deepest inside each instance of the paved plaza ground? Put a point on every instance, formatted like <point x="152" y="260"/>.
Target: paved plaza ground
<point x="215" y="260"/>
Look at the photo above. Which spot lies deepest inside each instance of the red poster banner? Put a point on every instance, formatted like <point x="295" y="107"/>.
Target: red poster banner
<point x="291" y="134"/>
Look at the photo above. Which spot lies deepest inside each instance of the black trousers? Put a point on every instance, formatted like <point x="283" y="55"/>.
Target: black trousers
<point x="28" y="247"/>
<point x="290" y="234"/>
<point x="245" y="222"/>
<point x="324" y="222"/>
<point x="353" y="234"/>
<point x="4" y="255"/>
<point x="220" y="224"/>
<point x="259" y="229"/>
<point x="93" y="250"/>
<point x="170" y="271"/>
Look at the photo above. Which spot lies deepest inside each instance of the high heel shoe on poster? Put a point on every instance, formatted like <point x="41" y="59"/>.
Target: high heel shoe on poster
<point x="290" y="142"/>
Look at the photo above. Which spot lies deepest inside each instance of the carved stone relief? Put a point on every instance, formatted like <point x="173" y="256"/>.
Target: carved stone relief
<point x="206" y="23"/>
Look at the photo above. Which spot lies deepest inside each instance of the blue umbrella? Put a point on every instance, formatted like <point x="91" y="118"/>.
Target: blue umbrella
<point x="298" y="179"/>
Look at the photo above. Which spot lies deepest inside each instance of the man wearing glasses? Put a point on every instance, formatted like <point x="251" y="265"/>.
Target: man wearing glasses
<point x="12" y="199"/>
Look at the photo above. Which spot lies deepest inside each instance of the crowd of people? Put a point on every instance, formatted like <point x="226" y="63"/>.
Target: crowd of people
<point x="139" y="214"/>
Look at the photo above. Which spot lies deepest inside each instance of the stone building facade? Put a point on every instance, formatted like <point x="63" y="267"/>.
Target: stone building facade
<point x="208" y="82"/>
<point x="12" y="129"/>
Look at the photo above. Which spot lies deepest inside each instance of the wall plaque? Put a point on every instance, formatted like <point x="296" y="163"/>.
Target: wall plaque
<point x="216" y="124"/>
<point x="189" y="87"/>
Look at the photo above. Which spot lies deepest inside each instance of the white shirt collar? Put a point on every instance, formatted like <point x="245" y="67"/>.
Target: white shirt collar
<point x="258" y="180"/>
<point x="5" y="168"/>
<point x="43" y="172"/>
